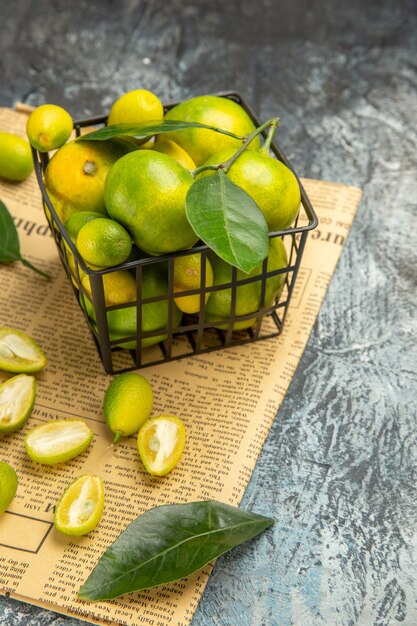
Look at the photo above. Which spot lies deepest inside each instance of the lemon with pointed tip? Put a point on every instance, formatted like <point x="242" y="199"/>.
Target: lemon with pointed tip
<point x="127" y="404"/>
<point x="161" y="442"/>
<point x="17" y="397"/>
<point x="19" y="353"/>
<point x="8" y="485"/>
<point x="135" y="107"/>
<point x="16" y="161"/>
<point x="48" y="127"/>
<point x="81" y="506"/>
<point x="58" y="441"/>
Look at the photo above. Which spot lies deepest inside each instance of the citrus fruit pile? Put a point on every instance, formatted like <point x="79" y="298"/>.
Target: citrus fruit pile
<point x="122" y="196"/>
<point x="127" y="407"/>
<point x="49" y="443"/>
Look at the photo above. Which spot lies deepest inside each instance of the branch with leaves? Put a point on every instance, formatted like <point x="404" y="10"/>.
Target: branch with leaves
<point x="220" y="212"/>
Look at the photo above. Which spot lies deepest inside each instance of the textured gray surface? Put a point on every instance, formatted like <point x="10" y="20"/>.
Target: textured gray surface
<point x="338" y="470"/>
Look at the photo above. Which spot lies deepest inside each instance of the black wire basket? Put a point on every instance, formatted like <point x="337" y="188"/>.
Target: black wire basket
<point x="192" y="334"/>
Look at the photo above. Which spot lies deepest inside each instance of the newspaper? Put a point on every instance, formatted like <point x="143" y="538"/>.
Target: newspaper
<point x="227" y="399"/>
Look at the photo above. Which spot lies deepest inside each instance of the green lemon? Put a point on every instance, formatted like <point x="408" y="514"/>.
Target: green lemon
<point x="104" y="242"/>
<point x="135" y="107"/>
<point x="17" y="397"/>
<point x="172" y="149"/>
<point x="73" y="226"/>
<point x="145" y="191"/>
<point x="19" y="353"/>
<point x="8" y="485"/>
<point x="75" y="176"/>
<point x="248" y="296"/>
<point x="80" y="508"/>
<point x="161" y="442"/>
<point x="222" y="113"/>
<point x="187" y="277"/>
<point x="75" y="223"/>
<point x="269" y="182"/>
<point x="58" y="441"/>
<point x="48" y="127"/>
<point x="15" y="157"/>
<point x="123" y="322"/>
<point x="127" y="404"/>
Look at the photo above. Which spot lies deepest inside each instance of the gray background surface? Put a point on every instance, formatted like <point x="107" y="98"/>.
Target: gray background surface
<point x="338" y="470"/>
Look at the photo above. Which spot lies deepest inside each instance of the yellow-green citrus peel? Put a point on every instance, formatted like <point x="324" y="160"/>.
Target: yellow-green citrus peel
<point x="161" y="442"/>
<point x="58" y="441"/>
<point x="19" y="353"/>
<point x="8" y="485"/>
<point x="81" y="506"/>
<point x="17" y="397"/>
<point x="127" y="404"/>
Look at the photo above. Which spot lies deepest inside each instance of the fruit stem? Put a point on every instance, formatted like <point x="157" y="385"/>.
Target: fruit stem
<point x="117" y="436"/>
<point x="267" y="143"/>
<point x="226" y="165"/>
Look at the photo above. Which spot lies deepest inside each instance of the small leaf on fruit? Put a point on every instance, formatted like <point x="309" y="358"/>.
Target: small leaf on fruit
<point x="226" y="218"/>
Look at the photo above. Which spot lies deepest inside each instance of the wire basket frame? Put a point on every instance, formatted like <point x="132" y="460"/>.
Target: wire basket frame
<point x="176" y="338"/>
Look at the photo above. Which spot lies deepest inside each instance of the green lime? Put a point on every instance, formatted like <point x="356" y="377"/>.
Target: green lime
<point x="215" y="111"/>
<point x="8" y="485"/>
<point x="76" y="221"/>
<point x="19" y="353"/>
<point x="58" y="441"/>
<point x="248" y="296"/>
<point x="127" y="404"/>
<point x="16" y="161"/>
<point x="187" y="276"/>
<point x="48" y="127"/>
<point x="270" y="183"/>
<point x="161" y="442"/>
<point x="17" y="397"/>
<point x="81" y="506"/>
<point x="123" y="322"/>
<point x="104" y="242"/>
<point x="145" y="191"/>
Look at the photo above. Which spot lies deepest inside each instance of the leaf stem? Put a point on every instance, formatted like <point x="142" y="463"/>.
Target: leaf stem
<point x="267" y="143"/>
<point x="226" y="165"/>
<point x="35" y="269"/>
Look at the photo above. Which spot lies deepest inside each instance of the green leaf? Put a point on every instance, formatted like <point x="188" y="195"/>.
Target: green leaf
<point x="226" y="218"/>
<point x="9" y="241"/>
<point x="167" y="543"/>
<point x="146" y="129"/>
